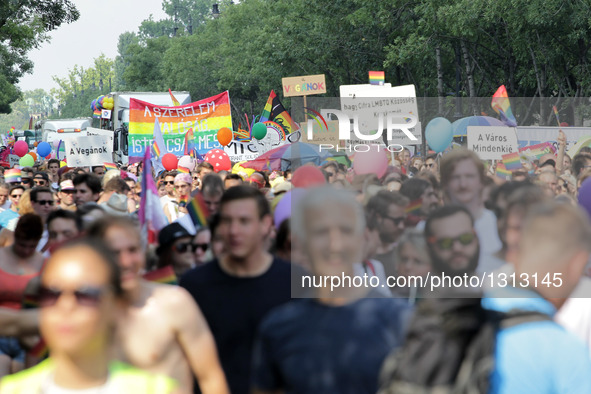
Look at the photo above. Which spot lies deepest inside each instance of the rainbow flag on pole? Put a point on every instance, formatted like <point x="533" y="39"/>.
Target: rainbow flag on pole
<point x="377" y="77"/>
<point x="151" y="216"/>
<point x="175" y="102"/>
<point x="198" y="211"/>
<point x="110" y="166"/>
<point x="502" y="172"/>
<point x="500" y="103"/>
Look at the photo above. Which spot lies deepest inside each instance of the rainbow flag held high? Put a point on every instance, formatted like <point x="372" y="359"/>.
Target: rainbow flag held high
<point x="13" y="175"/>
<point x="556" y="115"/>
<point x="276" y="112"/>
<point x="110" y="166"/>
<point x="189" y="142"/>
<point x="175" y="102"/>
<point x="414" y="208"/>
<point x="198" y="211"/>
<point x="512" y="161"/>
<point x="164" y="275"/>
<point x="182" y="170"/>
<point x="502" y="172"/>
<point x="377" y="77"/>
<point x="500" y="103"/>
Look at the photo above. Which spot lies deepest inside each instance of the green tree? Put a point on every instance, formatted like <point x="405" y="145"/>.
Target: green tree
<point x="24" y="25"/>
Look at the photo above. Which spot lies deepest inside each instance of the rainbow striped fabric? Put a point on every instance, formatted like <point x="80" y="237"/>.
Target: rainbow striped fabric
<point x="414" y="208"/>
<point x="512" y="161"/>
<point x="13" y="175"/>
<point x="164" y="275"/>
<point x="110" y="166"/>
<point x="183" y="200"/>
<point x="175" y="102"/>
<point x="198" y="211"/>
<point x="377" y="77"/>
<point x="502" y="172"/>
<point x="182" y="170"/>
<point x="500" y="103"/>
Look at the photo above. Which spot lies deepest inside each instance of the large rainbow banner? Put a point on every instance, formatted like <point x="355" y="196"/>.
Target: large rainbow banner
<point x="205" y="117"/>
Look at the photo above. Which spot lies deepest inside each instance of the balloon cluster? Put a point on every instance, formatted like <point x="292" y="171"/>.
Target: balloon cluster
<point x="102" y="102"/>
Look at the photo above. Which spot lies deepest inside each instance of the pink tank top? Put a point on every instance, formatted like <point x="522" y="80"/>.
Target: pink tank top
<point x="12" y="289"/>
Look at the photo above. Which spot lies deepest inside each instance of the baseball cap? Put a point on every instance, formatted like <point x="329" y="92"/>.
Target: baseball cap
<point x="169" y="234"/>
<point x="67" y="185"/>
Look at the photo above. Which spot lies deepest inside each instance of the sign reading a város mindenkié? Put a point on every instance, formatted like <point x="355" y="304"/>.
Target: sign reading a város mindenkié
<point x="89" y="151"/>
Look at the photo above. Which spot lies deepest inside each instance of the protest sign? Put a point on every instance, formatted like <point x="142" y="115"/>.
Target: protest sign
<point x="304" y="85"/>
<point x="94" y="131"/>
<point x="89" y="151"/>
<point x="205" y="117"/>
<point x="13" y="160"/>
<point x="492" y="142"/>
<point x="324" y="135"/>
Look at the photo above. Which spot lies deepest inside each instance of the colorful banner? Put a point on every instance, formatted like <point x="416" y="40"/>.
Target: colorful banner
<point x="205" y="117"/>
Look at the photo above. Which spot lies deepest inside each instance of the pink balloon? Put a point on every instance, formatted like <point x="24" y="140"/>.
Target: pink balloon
<point x="374" y="161"/>
<point x="307" y="176"/>
<point x="21" y="148"/>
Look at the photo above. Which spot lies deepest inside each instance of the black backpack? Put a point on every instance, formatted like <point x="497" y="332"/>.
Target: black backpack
<point x="449" y="348"/>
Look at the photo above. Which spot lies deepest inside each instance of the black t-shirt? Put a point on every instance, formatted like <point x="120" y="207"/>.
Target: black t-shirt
<point x="234" y="307"/>
<point x="309" y="347"/>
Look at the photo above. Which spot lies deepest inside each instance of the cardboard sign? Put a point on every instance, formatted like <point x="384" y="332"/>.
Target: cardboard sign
<point x="89" y="151"/>
<point x="492" y="142"/>
<point x="13" y="160"/>
<point x="323" y="135"/>
<point x="304" y="86"/>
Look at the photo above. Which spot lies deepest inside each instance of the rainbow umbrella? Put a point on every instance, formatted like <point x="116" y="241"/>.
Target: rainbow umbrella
<point x="288" y="156"/>
<point x="460" y="126"/>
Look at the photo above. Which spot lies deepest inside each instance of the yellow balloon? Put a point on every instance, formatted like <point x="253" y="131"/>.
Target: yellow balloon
<point x="238" y="169"/>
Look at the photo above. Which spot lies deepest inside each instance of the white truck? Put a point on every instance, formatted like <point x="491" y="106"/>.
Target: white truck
<point x="57" y="129"/>
<point x="119" y="120"/>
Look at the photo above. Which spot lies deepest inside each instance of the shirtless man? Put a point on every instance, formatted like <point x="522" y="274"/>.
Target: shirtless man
<point x="162" y="329"/>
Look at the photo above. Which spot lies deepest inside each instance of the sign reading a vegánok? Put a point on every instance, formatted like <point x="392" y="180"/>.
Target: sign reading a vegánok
<point x="205" y="117"/>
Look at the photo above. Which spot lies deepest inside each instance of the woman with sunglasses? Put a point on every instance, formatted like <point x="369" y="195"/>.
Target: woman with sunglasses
<point x="78" y="300"/>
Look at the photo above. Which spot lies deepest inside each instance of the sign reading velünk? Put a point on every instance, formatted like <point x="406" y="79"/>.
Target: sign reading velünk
<point x="492" y="142"/>
<point x="205" y="117"/>
<point x="304" y="85"/>
<point x="89" y="151"/>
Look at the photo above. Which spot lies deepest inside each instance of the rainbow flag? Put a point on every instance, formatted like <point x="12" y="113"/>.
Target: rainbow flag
<point x="183" y="200"/>
<point x="175" y="102"/>
<point x="198" y="211"/>
<point x="512" y="161"/>
<point x="182" y="170"/>
<point x="500" y="103"/>
<point x="414" y="208"/>
<point x="276" y="112"/>
<point x="377" y="77"/>
<point x="150" y="214"/>
<point x="110" y="166"/>
<point x="13" y="175"/>
<point x="556" y="114"/>
<point x="502" y="172"/>
<point x="538" y="150"/>
<point x="189" y="143"/>
<point x="164" y="275"/>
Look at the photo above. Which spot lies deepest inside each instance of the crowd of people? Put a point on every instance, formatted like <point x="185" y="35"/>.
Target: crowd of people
<point x="343" y="290"/>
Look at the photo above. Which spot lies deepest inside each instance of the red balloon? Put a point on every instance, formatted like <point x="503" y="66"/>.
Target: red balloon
<point x="170" y="162"/>
<point x="20" y="148"/>
<point x="307" y="176"/>
<point x="219" y="160"/>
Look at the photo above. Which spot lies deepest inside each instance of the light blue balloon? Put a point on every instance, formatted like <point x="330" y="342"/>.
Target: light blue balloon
<point x="439" y="134"/>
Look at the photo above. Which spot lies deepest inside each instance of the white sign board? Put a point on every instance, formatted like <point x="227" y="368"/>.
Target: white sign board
<point x="89" y="151"/>
<point x="13" y="160"/>
<point x="106" y="114"/>
<point x="533" y="135"/>
<point x="95" y="131"/>
<point x="492" y="142"/>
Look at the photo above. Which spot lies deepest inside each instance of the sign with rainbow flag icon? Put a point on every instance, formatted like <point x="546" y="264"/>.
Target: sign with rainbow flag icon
<point x="205" y="117"/>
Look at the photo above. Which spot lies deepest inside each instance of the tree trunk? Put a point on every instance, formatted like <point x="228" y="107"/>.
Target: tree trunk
<point x="469" y="75"/>
<point x="439" y="80"/>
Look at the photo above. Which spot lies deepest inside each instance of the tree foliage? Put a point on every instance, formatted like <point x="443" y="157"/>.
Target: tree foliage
<point x="24" y="25"/>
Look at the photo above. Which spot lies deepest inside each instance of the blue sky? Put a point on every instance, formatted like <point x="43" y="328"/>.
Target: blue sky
<point x="97" y="31"/>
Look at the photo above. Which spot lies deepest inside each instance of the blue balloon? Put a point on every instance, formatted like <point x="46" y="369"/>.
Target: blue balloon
<point x="439" y="134"/>
<point x="43" y="149"/>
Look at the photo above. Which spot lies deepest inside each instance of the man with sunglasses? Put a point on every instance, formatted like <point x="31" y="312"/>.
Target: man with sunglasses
<point x="41" y="179"/>
<point x="451" y="241"/>
<point x="43" y="204"/>
<point x="176" y="249"/>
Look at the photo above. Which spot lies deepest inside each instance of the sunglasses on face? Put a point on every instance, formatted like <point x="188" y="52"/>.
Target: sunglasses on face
<point x="16" y="195"/>
<point x="39" y="183"/>
<point x="397" y="221"/>
<point x="168" y="182"/>
<point x="87" y="296"/>
<point x="45" y="202"/>
<point x="184" y="247"/>
<point x="448" y="243"/>
<point x="26" y="182"/>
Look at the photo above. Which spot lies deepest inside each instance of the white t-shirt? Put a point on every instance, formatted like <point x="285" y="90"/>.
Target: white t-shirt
<point x="575" y="314"/>
<point x="488" y="233"/>
<point x="377" y="271"/>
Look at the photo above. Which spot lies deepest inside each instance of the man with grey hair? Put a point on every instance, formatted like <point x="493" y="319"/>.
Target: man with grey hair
<point x="328" y="224"/>
<point x="540" y="356"/>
